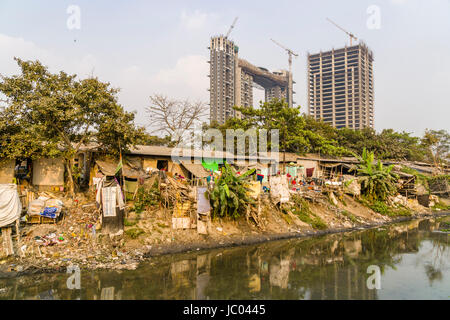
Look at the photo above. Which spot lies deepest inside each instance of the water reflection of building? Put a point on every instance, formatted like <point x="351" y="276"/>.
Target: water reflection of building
<point x="279" y="273"/>
<point x="191" y="276"/>
<point x="202" y="276"/>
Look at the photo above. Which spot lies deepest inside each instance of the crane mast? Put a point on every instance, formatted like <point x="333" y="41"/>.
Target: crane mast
<point x="290" y="54"/>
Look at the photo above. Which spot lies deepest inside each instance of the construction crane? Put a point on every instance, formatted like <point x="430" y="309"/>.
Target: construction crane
<point x="351" y="35"/>
<point x="290" y="54"/>
<point x="231" y="28"/>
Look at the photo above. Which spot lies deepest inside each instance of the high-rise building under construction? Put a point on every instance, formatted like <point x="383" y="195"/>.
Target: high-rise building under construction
<point x="232" y="81"/>
<point x="340" y="89"/>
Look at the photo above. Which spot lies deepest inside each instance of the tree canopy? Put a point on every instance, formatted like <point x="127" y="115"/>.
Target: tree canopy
<point x="53" y="114"/>
<point x="297" y="133"/>
<point x="300" y="133"/>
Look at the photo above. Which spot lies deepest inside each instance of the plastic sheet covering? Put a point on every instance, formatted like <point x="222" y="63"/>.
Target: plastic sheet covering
<point x="203" y="204"/>
<point x="279" y="188"/>
<point x="10" y="206"/>
<point x="35" y="207"/>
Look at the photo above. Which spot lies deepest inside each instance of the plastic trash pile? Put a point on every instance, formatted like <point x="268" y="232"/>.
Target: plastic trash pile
<point x="46" y="207"/>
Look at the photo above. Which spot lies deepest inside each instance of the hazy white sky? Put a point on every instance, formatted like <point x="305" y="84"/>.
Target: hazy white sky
<point x="147" y="47"/>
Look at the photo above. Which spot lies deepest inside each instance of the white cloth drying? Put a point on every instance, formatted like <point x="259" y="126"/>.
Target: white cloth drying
<point x="10" y="206"/>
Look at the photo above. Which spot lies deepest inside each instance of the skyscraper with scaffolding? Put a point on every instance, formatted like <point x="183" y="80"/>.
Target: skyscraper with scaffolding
<point x="232" y="81"/>
<point x="340" y="87"/>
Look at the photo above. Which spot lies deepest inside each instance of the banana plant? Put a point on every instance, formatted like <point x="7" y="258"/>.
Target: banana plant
<point x="229" y="196"/>
<point x="377" y="181"/>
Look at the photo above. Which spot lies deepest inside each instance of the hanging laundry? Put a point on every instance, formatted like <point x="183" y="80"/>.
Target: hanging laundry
<point x="309" y="172"/>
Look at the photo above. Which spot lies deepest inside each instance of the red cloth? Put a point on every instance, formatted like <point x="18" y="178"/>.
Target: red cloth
<point x="309" y="172"/>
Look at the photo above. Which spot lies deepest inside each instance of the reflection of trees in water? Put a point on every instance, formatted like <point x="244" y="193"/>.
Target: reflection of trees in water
<point x="439" y="252"/>
<point x="432" y="273"/>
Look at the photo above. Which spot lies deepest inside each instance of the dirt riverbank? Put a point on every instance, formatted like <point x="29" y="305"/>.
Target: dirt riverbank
<point x="76" y="240"/>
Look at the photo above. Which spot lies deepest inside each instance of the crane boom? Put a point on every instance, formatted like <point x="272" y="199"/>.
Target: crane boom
<point x="288" y="50"/>
<point x="351" y="35"/>
<point x="231" y="28"/>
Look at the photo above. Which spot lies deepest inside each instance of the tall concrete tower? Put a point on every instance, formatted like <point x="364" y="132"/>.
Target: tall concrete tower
<point x="340" y="89"/>
<point x="232" y="80"/>
<point x="223" y="60"/>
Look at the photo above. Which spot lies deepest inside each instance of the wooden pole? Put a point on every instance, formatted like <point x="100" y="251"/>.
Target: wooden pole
<point x="123" y="178"/>
<point x="7" y="241"/>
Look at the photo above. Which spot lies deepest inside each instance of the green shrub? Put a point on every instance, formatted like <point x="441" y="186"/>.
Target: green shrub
<point x="349" y="215"/>
<point x="128" y="223"/>
<point x="133" y="233"/>
<point x="146" y="197"/>
<point x="384" y="209"/>
<point x="302" y="210"/>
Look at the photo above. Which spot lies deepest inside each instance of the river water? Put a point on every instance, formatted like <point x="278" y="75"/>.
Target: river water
<point x="413" y="259"/>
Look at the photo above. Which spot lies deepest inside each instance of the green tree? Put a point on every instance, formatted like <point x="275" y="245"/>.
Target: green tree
<point x="53" y="115"/>
<point x="297" y="133"/>
<point x="152" y="140"/>
<point x="437" y="144"/>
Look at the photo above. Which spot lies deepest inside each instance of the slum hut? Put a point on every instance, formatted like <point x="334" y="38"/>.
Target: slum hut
<point x="278" y="160"/>
<point x="175" y="161"/>
<point x="7" y="173"/>
<point x="42" y="174"/>
<point x="45" y="174"/>
<point x="48" y="174"/>
<point x="261" y="163"/>
<point x="302" y="167"/>
<point x="329" y="168"/>
<point x="407" y="184"/>
<point x="128" y="176"/>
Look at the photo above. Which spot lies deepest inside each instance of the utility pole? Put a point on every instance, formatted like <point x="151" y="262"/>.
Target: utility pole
<point x="290" y="54"/>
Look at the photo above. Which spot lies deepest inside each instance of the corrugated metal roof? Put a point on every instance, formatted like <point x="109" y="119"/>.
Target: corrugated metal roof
<point x="108" y="167"/>
<point x="196" y="169"/>
<point x="184" y="153"/>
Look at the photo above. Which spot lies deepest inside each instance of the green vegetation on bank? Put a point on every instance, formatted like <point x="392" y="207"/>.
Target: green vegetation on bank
<point x="302" y="210"/>
<point x="383" y="208"/>
<point x="349" y="215"/>
<point x="146" y="198"/>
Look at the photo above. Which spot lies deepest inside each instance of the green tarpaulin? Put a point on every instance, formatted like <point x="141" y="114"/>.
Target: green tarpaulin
<point x="210" y="165"/>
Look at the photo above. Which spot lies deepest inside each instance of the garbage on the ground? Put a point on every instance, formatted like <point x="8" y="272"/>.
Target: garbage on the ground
<point x="255" y="189"/>
<point x="333" y="183"/>
<point x="44" y="207"/>
<point x="49" y="239"/>
<point x="181" y="223"/>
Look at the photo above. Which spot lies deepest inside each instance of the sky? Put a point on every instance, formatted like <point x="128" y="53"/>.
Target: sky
<point x="149" y="47"/>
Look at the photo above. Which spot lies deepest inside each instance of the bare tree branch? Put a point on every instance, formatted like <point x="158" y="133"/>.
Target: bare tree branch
<point x="174" y="117"/>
